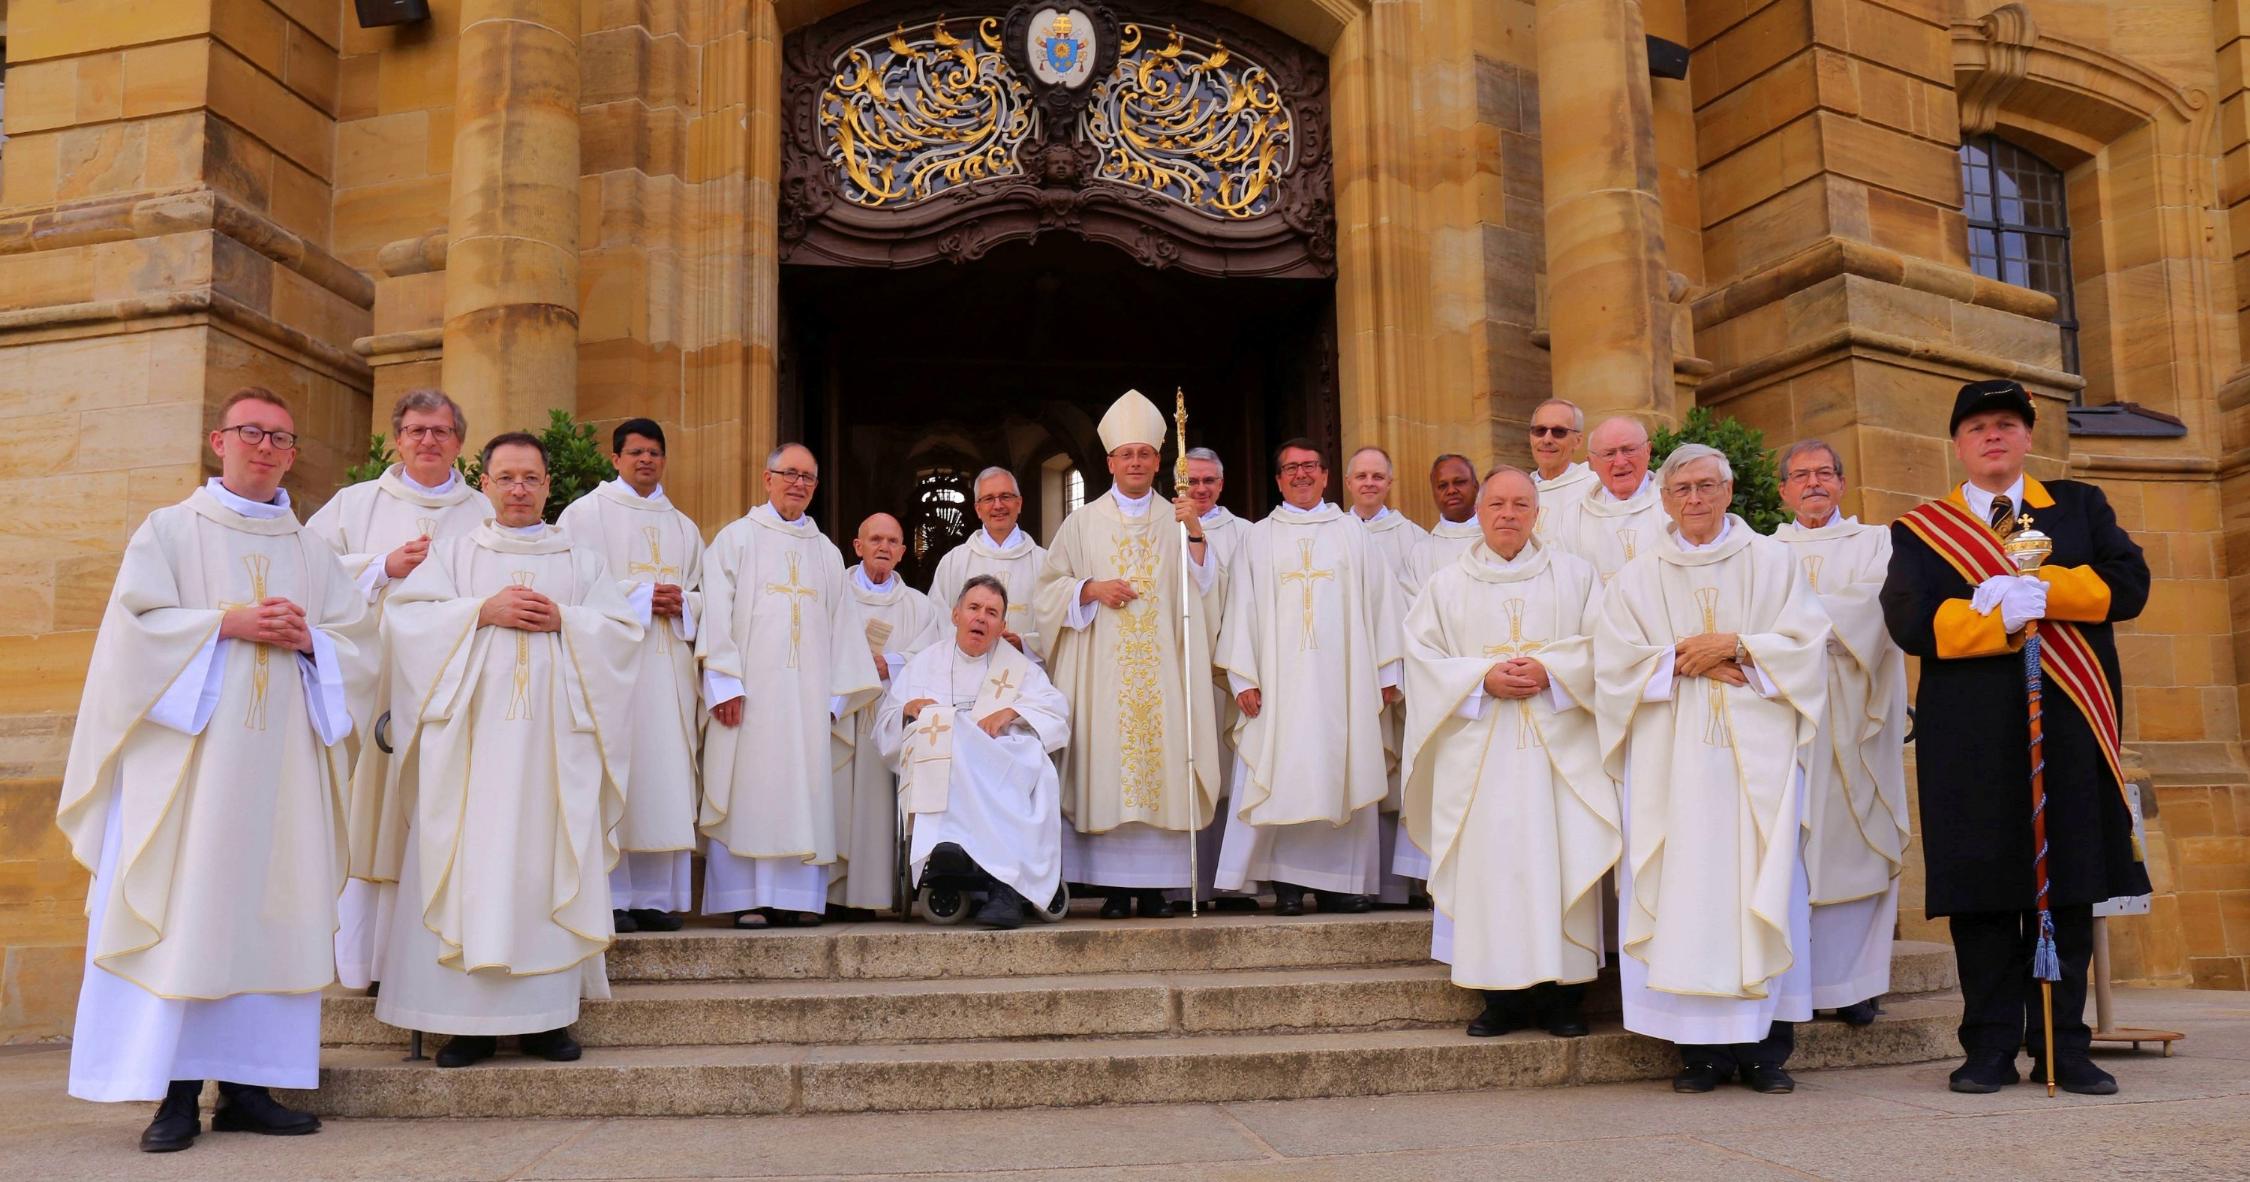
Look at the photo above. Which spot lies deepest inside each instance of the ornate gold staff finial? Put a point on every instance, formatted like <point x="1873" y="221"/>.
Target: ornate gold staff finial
<point x="1179" y="430"/>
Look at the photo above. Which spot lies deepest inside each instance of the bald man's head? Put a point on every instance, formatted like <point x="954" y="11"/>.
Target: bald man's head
<point x="1618" y="450"/>
<point x="880" y="543"/>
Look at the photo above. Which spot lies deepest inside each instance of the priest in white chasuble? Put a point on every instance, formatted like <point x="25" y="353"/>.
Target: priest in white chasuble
<point x="1001" y="549"/>
<point x="1223" y="533"/>
<point x="655" y="552"/>
<point x="384" y="529"/>
<point x="969" y="724"/>
<point x="1557" y="426"/>
<point x="514" y="658"/>
<point x="205" y="791"/>
<point x="1395" y="540"/>
<point x="1121" y="646"/>
<point x="1504" y="779"/>
<point x="1710" y="678"/>
<point x="1855" y="782"/>
<point x="1311" y="649"/>
<point x="900" y="622"/>
<point x="1453" y="485"/>
<point x="1620" y="515"/>
<point x="784" y="652"/>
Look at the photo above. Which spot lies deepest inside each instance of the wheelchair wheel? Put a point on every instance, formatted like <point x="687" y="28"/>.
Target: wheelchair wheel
<point x="943" y="904"/>
<point x="1057" y="908"/>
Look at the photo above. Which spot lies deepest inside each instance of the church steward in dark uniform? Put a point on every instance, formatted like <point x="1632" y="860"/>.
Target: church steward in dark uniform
<point x="1972" y="731"/>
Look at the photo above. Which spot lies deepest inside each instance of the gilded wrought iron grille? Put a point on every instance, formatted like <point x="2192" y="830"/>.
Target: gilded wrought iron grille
<point x="919" y="111"/>
<point x="1194" y="121"/>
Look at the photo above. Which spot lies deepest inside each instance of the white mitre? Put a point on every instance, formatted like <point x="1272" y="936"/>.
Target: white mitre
<point x="1132" y="419"/>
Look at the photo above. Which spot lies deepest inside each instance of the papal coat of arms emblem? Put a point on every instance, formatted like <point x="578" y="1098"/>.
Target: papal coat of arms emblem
<point x="1062" y="46"/>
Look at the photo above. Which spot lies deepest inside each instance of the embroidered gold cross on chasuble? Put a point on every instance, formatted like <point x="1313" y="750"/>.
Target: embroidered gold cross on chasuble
<point x="797" y="594"/>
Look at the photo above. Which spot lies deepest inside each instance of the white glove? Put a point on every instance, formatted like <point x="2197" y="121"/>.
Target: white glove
<point x="2023" y="603"/>
<point x="1988" y="593"/>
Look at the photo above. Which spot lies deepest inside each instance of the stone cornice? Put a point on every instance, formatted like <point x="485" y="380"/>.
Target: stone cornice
<point x="1854" y="339"/>
<point x="196" y="305"/>
<point x="1831" y="257"/>
<point x="151" y="215"/>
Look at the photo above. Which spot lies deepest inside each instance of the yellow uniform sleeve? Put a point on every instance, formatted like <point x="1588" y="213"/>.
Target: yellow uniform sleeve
<point x="2075" y="594"/>
<point x="1962" y="632"/>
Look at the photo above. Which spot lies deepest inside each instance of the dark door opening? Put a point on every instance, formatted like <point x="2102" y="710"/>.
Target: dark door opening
<point x="906" y="383"/>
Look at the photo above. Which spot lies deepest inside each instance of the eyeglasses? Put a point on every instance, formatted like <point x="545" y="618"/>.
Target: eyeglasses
<point x="792" y="476"/>
<point x="524" y="484"/>
<point x="1203" y="482"/>
<point x="1807" y="475"/>
<point x="281" y="440"/>
<point x="1553" y="432"/>
<point x="1300" y="467"/>
<point x="1704" y="489"/>
<point x="998" y="498"/>
<point x="418" y="434"/>
<point x="1612" y="453"/>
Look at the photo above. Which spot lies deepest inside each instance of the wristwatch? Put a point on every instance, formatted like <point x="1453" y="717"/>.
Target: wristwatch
<point x="1741" y="654"/>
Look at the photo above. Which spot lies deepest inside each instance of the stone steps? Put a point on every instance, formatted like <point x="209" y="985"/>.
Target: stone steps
<point x="884" y="1010"/>
<point x="749" y="1080"/>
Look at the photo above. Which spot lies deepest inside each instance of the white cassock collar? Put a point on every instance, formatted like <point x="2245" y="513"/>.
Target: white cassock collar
<point x="533" y="530"/>
<point x="278" y="507"/>
<point x="859" y="576"/>
<point x="1523" y="557"/>
<point x="1381" y="513"/>
<point x="1015" y="536"/>
<point x="1726" y="526"/>
<point x="1980" y="501"/>
<point x="1323" y="507"/>
<point x="1214" y="513"/>
<point x="1133" y="506"/>
<point x="452" y="477"/>
<point x="629" y="490"/>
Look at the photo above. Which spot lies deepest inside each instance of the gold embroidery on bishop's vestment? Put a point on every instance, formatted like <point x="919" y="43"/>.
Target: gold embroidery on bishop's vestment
<point x="1140" y="705"/>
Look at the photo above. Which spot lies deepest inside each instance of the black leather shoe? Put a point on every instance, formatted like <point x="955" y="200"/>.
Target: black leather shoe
<point x="247" y="1108"/>
<point x="1859" y="1013"/>
<point x="1154" y="905"/>
<point x="1231" y="903"/>
<point x="1984" y="1072"/>
<point x="1288" y="900"/>
<point x="178" y="1119"/>
<point x="1698" y="1078"/>
<point x="1561" y="1009"/>
<point x="622" y="921"/>
<point x="1499" y="1016"/>
<point x="464" y="1049"/>
<point x="1002" y="909"/>
<point x="1119" y="905"/>
<point x="1768" y="1079"/>
<point x="2077" y="1075"/>
<point x="650" y="920"/>
<point x="555" y="1046"/>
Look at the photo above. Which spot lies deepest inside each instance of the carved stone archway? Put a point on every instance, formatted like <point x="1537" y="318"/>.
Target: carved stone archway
<point x="1183" y="134"/>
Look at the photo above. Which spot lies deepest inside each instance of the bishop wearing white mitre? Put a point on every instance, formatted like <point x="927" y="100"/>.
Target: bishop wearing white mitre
<point x="1620" y="514"/>
<point x="900" y="622"/>
<point x="1311" y="649"/>
<point x="1556" y="426"/>
<point x="1109" y="611"/>
<point x="1709" y="662"/>
<point x="784" y="652"/>
<point x="1855" y="783"/>
<point x="205" y="791"/>
<point x="1001" y="549"/>
<point x="655" y="552"/>
<point x="969" y="723"/>
<point x="1504" y="779"/>
<point x="512" y="684"/>
<point x="384" y="528"/>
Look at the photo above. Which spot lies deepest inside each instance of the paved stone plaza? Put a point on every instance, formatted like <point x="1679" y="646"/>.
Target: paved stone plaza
<point x="2184" y="1117"/>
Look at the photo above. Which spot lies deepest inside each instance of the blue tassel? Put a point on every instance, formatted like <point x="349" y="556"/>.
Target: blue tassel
<point x="2045" y="964"/>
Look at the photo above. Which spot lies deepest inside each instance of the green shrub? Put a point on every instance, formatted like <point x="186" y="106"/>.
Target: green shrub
<point x="1757" y="483"/>
<point x="575" y="461"/>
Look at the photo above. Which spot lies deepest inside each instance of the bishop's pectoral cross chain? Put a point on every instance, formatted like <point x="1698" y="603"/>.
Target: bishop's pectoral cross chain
<point x="1517" y="646"/>
<point x="797" y="593"/>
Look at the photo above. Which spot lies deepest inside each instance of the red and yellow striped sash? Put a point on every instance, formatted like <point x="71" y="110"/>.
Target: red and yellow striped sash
<point x="2068" y="661"/>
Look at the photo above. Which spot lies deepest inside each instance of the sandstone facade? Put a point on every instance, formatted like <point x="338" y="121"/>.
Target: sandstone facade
<point x="574" y="203"/>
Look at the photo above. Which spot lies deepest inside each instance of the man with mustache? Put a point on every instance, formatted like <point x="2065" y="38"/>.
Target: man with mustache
<point x="1311" y="648"/>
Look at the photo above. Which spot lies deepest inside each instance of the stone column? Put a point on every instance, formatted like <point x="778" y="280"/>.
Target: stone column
<point x="511" y="287"/>
<point x="1609" y="322"/>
